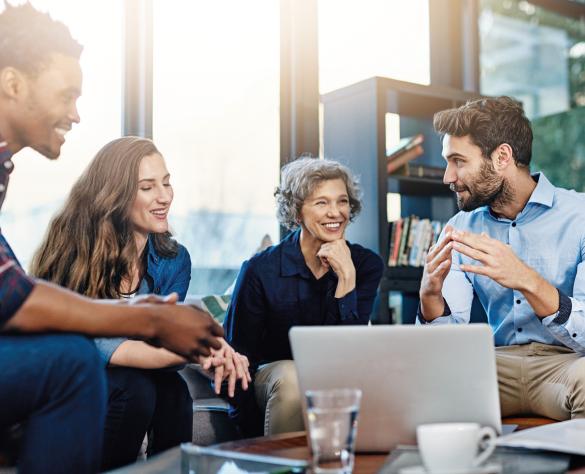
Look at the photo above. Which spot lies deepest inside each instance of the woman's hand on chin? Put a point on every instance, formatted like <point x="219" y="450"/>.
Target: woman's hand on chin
<point x="338" y="257"/>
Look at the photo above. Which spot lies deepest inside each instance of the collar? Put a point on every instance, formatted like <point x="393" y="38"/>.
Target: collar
<point x="543" y="193"/>
<point x="292" y="261"/>
<point x="152" y="255"/>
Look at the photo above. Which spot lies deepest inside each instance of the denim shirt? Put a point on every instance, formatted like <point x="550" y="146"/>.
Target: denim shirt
<point x="163" y="276"/>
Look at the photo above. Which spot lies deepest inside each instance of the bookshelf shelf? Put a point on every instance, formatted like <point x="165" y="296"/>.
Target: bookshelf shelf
<point x="414" y="186"/>
<point x="403" y="279"/>
<point x="354" y="133"/>
<point x="404" y="286"/>
<point x="404" y="273"/>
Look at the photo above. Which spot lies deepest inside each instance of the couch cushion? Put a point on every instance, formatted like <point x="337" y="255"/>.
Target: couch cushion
<point x="217" y="306"/>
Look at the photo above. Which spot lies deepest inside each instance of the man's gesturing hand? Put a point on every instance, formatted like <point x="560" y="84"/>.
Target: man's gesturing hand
<point x="498" y="260"/>
<point x="185" y="330"/>
<point x="437" y="266"/>
<point x="500" y="263"/>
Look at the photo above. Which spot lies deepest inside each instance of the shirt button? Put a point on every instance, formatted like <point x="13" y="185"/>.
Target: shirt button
<point x="8" y="164"/>
<point x="574" y="334"/>
<point x="518" y="301"/>
<point x="2" y="188"/>
<point x="513" y="224"/>
<point x="519" y="329"/>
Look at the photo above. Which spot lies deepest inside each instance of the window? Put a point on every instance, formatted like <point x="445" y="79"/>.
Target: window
<point x="359" y="39"/>
<point x="538" y="57"/>
<point x="39" y="186"/>
<point x="216" y="121"/>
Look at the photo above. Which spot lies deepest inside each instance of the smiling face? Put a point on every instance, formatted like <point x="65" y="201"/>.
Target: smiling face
<point x="151" y="206"/>
<point x="471" y="176"/>
<point x="47" y="106"/>
<point x="325" y="213"/>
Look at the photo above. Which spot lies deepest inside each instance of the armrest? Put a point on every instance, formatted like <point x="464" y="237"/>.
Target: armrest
<point x="198" y="382"/>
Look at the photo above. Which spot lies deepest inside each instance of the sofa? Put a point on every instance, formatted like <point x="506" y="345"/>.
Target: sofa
<point x="211" y="423"/>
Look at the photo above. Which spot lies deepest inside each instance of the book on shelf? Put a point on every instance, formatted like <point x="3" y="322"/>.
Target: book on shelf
<point x="396" y="235"/>
<point x="404" y="145"/>
<point x="402" y="159"/>
<point x="410" y="240"/>
<point x="406" y="150"/>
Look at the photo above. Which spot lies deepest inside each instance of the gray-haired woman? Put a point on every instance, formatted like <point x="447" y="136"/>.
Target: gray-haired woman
<point x="313" y="277"/>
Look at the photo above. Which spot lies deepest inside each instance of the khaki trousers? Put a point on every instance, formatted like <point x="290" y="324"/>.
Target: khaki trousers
<point x="277" y="394"/>
<point x="541" y="379"/>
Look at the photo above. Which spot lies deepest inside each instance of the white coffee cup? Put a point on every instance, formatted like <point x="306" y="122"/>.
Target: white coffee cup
<point x="452" y="447"/>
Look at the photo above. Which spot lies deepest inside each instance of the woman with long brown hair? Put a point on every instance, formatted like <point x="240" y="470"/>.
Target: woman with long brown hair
<point x="111" y="240"/>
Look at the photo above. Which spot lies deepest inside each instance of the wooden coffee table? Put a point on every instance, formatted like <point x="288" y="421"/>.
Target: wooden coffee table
<point x="294" y="446"/>
<point x="290" y="445"/>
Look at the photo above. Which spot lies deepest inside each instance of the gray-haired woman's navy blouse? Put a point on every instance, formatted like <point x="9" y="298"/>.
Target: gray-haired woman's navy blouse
<point x="276" y="290"/>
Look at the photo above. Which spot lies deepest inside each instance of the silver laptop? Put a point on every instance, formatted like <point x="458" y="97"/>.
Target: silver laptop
<point x="409" y="375"/>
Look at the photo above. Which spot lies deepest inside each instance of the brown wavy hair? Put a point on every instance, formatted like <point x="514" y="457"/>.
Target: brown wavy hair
<point x="489" y="123"/>
<point x="89" y="246"/>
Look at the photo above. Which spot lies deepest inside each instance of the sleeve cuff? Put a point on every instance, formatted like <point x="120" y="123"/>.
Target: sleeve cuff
<point x="106" y="347"/>
<point x="565" y="308"/>
<point x="348" y="306"/>
<point x="422" y="320"/>
<point x="16" y="288"/>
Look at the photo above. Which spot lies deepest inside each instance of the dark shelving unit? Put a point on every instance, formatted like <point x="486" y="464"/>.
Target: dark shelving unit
<point x="354" y="133"/>
<point x="414" y="186"/>
<point x="404" y="279"/>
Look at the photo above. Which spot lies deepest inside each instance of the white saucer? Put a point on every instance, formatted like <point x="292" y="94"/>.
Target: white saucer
<point x="487" y="469"/>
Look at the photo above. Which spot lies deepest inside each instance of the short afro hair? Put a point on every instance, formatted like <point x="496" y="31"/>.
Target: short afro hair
<point x="28" y="37"/>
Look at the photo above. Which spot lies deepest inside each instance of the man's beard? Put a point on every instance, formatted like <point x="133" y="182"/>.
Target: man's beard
<point x="486" y="189"/>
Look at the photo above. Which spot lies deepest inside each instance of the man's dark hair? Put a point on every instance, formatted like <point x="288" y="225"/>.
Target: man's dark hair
<point x="489" y="123"/>
<point x="28" y="38"/>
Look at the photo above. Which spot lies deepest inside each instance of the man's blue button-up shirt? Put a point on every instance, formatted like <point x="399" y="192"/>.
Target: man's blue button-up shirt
<point x="549" y="236"/>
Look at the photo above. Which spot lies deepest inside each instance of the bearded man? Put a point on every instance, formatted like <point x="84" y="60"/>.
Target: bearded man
<point x="519" y="244"/>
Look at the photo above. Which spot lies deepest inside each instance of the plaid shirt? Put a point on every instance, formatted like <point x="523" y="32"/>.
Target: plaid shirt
<point x="15" y="286"/>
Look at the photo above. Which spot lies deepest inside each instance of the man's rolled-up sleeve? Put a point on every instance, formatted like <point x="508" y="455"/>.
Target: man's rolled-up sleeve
<point x="15" y="286"/>
<point x="567" y="325"/>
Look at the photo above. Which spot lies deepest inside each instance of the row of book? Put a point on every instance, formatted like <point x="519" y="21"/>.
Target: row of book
<point x="410" y="240"/>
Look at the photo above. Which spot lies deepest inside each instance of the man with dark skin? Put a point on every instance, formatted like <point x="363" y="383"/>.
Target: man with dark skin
<point x="52" y="380"/>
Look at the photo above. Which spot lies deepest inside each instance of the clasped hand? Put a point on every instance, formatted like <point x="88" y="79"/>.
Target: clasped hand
<point x="224" y="362"/>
